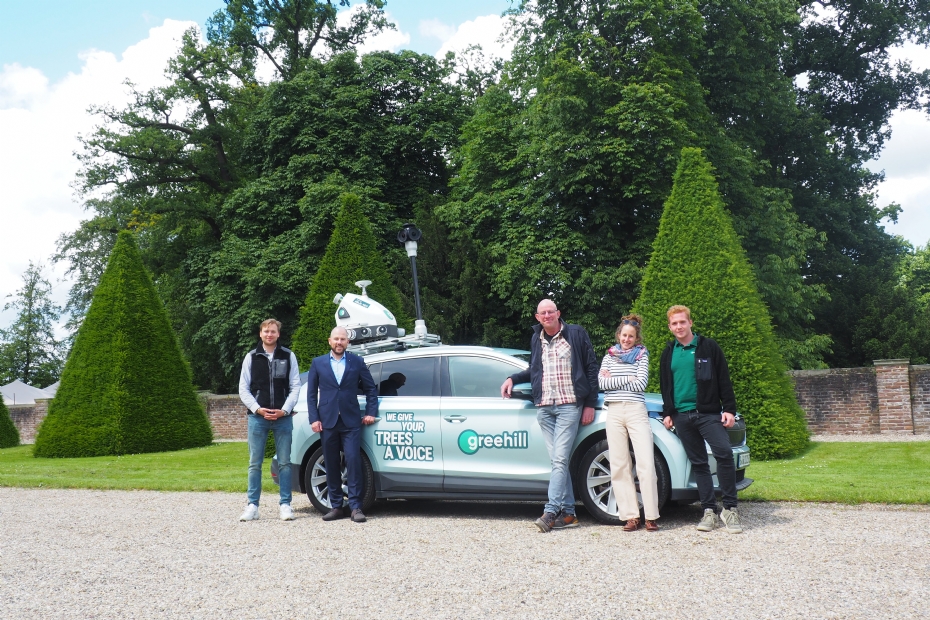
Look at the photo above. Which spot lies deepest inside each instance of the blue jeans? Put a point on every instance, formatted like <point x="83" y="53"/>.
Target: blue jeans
<point x="559" y="425"/>
<point x="259" y="428"/>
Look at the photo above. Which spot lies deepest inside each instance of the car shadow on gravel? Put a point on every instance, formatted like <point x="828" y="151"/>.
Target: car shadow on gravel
<point x="674" y="516"/>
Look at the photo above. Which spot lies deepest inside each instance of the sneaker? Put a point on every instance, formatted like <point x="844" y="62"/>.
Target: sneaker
<point x="564" y="521"/>
<point x="250" y="513"/>
<point x="731" y="521"/>
<point x="286" y="513"/>
<point x="708" y="522"/>
<point x="358" y="516"/>
<point x="545" y="522"/>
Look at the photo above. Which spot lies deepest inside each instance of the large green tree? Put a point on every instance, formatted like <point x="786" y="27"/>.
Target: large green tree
<point x="697" y="261"/>
<point x="126" y="388"/>
<point x="29" y="349"/>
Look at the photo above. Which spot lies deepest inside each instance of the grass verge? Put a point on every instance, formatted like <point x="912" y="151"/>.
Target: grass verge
<point x="848" y="473"/>
<point x="218" y="467"/>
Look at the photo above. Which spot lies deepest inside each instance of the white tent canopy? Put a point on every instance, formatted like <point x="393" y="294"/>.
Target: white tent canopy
<point x="19" y="393"/>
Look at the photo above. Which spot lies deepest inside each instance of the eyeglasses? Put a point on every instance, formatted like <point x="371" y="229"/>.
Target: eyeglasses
<point x="630" y="322"/>
<point x="547" y="312"/>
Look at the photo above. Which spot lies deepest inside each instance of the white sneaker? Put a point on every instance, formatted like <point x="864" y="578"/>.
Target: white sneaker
<point x="731" y="521"/>
<point x="250" y="513"/>
<point x="286" y="513"/>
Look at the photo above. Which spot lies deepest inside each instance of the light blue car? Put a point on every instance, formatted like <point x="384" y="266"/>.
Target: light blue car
<point x="444" y="432"/>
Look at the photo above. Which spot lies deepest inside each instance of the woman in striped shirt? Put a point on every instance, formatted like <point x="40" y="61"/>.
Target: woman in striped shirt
<point x="623" y="376"/>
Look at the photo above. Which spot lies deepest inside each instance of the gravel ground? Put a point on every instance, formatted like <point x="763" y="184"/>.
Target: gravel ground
<point x="141" y="554"/>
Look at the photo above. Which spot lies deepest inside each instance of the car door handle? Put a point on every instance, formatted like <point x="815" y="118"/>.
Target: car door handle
<point x="455" y="419"/>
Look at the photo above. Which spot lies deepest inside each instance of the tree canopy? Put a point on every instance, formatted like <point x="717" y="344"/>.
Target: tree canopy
<point x="545" y="175"/>
<point x="29" y="349"/>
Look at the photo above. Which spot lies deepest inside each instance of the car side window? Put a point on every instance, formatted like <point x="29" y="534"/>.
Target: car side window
<point x="409" y="377"/>
<point x="375" y="370"/>
<point x="477" y="377"/>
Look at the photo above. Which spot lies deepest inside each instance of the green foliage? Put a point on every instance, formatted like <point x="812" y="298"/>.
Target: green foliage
<point x="9" y="436"/>
<point x="351" y="255"/>
<point x="125" y="389"/>
<point x="29" y="350"/>
<point x="697" y="261"/>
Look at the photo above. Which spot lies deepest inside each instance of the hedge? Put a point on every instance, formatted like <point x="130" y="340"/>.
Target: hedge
<point x="126" y="388"/>
<point x="697" y="261"/>
<point x="351" y="256"/>
<point x="9" y="436"/>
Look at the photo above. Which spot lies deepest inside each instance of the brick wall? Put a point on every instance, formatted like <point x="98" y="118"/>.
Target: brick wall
<point x="920" y="398"/>
<point x="227" y="416"/>
<point x="26" y="418"/>
<point x="840" y="400"/>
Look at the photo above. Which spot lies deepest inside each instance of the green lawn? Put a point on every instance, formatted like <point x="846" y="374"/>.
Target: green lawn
<point x="893" y="473"/>
<point x="219" y="467"/>
<point x="849" y="473"/>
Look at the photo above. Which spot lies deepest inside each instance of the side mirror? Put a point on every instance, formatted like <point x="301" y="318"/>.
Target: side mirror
<point x="523" y="391"/>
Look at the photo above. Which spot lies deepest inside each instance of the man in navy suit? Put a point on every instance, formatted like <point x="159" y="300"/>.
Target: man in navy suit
<point x="332" y="405"/>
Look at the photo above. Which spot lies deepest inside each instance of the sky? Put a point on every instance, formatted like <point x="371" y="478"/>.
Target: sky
<point x="58" y="57"/>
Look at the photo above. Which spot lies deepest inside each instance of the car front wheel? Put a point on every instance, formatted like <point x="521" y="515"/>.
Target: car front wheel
<point x="597" y="494"/>
<point x="318" y="492"/>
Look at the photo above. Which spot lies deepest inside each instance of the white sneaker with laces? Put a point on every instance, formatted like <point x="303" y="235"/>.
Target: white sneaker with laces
<point x="286" y="513"/>
<point x="731" y="521"/>
<point x="250" y="513"/>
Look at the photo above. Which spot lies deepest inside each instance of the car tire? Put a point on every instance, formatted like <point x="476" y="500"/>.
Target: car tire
<point x="315" y="482"/>
<point x="594" y="481"/>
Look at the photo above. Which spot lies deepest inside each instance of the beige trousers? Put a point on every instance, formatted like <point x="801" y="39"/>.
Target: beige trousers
<point x="629" y="423"/>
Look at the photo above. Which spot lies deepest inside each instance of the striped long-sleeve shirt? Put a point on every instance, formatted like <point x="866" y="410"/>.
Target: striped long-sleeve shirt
<point x="627" y="382"/>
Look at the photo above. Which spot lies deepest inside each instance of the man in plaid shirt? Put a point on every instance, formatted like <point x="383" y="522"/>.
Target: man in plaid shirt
<point x="563" y="371"/>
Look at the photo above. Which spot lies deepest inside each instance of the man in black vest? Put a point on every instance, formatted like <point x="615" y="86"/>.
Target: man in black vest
<point x="269" y="386"/>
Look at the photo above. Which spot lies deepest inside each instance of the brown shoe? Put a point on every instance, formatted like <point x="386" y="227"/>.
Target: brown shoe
<point x="631" y="525"/>
<point x="651" y="526"/>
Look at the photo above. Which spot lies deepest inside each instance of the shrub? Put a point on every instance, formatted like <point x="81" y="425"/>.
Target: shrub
<point x="126" y="388"/>
<point x="697" y="261"/>
<point x="351" y="256"/>
<point x="9" y="436"/>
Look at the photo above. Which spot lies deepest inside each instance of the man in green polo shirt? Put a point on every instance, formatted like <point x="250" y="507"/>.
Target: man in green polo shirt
<point x="698" y="400"/>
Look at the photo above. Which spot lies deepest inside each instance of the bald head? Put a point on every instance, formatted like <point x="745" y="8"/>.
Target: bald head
<point x="546" y="304"/>
<point x="548" y="316"/>
<point x="338" y="341"/>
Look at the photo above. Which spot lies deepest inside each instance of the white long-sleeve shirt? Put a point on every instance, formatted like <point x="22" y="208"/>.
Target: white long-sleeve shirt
<point x="627" y="382"/>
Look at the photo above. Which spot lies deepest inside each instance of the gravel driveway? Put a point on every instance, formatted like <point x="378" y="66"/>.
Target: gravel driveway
<point x="140" y="554"/>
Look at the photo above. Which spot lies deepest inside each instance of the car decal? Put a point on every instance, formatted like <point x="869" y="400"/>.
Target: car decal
<point x="470" y="441"/>
<point x="399" y="445"/>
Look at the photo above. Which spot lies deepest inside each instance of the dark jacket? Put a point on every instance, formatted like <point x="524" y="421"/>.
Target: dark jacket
<point x="584" y="365"/>
<point x="270" y="384"/>
<point x="714" y="388"/>
<point x="335" y="399"/>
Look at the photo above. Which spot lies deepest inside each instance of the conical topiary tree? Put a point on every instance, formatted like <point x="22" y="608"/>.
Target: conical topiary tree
<point x="697" y="261"/>
<point x="352" y="255"/>
<point x="125" y="388"/>
<point x="9" y="436"/>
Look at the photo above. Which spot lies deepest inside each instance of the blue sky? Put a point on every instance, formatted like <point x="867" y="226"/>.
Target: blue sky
<point x="49" y="35"/>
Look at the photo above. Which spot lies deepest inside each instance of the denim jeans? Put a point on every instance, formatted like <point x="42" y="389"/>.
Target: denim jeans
<point x="693" y="430"/>
<point x="559" y="424"/>
<point x="259" y="428"/>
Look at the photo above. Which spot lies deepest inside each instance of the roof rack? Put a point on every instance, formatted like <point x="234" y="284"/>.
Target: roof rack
<point x="413" y="341"/>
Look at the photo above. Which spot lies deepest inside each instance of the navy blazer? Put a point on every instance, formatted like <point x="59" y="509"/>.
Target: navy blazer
<point x="335" y="398"/>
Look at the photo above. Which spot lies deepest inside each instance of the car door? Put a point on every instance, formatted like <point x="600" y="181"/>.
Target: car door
<point x="406" y="440"/>
<point x="490" y="444"/>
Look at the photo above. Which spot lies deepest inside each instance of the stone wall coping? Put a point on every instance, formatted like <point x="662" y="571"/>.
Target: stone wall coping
<point x="904" y="362"/>
<point x="222" y="396"/>
<point x="815" y="372"/>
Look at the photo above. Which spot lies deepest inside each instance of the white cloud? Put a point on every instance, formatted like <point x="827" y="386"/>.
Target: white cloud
<point x="436" y="29"/>
<point x="906" y="161"/>
<point x="40" y="123"/>
<point x="389" y="40"/>
<point x="488" y="31"/>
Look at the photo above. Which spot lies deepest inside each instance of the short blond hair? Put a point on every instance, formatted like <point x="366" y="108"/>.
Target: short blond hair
<point x="268" y="322"/>
<point x="678" y="310"/>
